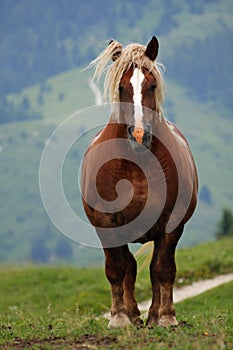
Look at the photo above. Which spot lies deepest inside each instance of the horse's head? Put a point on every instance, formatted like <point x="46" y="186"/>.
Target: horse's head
<point x="137" y="94"/>
<point x="135" y="84"/>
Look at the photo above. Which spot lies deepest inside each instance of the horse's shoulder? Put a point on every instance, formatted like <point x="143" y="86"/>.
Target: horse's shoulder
<point x="179" y="134"/>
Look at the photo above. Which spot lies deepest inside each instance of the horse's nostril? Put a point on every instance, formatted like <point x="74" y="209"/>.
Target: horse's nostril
<point x="130" y="132"/>
<point x="146" y="139"/>
<point x="148" y="128"/>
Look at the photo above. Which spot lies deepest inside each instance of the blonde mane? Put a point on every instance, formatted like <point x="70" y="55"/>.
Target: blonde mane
<point x="123" y="59"/>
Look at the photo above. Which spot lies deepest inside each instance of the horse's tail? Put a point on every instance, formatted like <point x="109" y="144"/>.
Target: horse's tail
<point x="144" y="255"/>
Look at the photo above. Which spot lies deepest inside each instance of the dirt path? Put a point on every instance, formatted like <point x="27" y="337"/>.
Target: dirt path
<point x="192" y="290"/>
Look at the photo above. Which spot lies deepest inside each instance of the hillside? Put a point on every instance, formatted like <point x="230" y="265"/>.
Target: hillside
<point x="201" y="107"/>
<point x="211" y="142"/>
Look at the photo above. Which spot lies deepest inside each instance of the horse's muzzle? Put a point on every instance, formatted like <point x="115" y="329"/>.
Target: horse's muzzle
<point x="142" y="137"/>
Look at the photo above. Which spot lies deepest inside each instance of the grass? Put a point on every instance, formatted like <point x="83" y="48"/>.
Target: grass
<point x="206" y="261"/>
<point x="43" y="288"/>
<point x="205" y="322"/>
<point x="38" y="288"/>
<point x="60" y="307"/>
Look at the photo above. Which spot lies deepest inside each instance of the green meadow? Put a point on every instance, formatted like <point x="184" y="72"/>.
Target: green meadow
<point x="46" y="307"/>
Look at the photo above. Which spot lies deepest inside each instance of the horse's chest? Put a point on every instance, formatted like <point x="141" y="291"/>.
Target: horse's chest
<point x="149" y="191"/>
<point x="140" y="187"/>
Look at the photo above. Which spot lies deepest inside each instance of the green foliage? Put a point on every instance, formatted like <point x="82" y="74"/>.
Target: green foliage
<point x="63" y="249"/>
<point x="225" y="224"/>
<point x="205" y="195"/>
<point x="191" y="63"/>
<point x="44" y="38"/>
<point x="39" y="251"/>
<point x="9" y="112"/>
<point x="48" y="39"/>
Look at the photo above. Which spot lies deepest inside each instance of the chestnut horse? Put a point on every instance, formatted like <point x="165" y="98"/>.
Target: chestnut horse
<point x="141" y="167"/>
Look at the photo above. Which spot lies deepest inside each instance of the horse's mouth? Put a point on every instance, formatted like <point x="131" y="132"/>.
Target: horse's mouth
<point x="138" y="147"/>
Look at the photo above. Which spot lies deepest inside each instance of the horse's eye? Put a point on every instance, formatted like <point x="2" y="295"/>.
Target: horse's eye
<point x="152" y="87"/>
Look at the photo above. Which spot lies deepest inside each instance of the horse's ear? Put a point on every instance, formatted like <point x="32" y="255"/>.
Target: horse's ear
<point x="152" y="49"/>
<point x="117" y="49"/>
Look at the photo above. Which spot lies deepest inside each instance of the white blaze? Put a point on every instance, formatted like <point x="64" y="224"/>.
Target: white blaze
<point x="136" y="81"/>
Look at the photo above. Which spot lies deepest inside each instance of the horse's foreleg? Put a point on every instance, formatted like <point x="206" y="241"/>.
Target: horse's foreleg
<point x="129" y="286"/>
<point x="153" y="314"/>
<point x="115" y="269"/>
<point x="166" y="269"/>
<point x="163" y="267"/>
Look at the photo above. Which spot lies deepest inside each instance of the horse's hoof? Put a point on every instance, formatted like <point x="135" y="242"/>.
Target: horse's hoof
<point x="166" y="321"/>
<point x="138" y="322"/>
<point x="119" y="320"/>
<point x="151" y="322"/>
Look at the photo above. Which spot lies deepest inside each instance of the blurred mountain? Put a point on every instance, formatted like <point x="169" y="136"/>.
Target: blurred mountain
<point x="42" y="38"/>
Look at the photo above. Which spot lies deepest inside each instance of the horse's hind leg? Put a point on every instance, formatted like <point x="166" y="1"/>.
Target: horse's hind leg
<point x="115" y="269"/>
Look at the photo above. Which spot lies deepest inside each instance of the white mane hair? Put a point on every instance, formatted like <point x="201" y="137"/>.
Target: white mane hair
<point x="123" y="59"/>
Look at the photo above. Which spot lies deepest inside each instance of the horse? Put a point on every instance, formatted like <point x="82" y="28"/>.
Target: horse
<point x="138" y="163"/>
